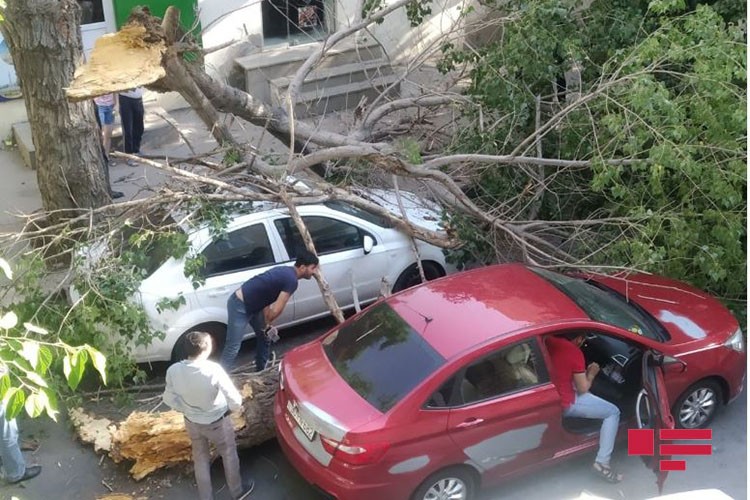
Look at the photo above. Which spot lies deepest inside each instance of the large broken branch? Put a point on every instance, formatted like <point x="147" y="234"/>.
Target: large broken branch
<point x="157" y="440"/>
<point x="130" y="58"/>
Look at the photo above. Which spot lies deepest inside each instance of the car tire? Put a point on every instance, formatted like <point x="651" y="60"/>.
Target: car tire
<point x="410" y="277"/>
<point x="454" y="482"/>
<point x="218" y="334"/>
<point x="697" y="406"/>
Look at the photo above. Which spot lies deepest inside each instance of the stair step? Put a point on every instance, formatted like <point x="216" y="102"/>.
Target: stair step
<point x="341" y="97"/>
<point x="262" y="67"/>
<point x="337" y="76"/>
<point x="299" y="53"/>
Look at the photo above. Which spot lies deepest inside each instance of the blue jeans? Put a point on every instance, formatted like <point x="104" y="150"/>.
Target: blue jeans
<point x="106" y="114"/>
<point x="14" y="465"/>
<point x="237" y="321"/>
<point x="589" y="406"/>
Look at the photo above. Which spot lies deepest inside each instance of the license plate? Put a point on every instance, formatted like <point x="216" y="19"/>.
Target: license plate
<point x="308" y="431"/>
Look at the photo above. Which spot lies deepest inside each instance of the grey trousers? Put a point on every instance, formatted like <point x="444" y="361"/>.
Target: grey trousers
<point x="221" y="435"/>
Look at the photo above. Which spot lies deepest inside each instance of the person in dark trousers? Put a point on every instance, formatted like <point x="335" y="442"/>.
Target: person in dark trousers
<point x="259" y="301"/>
<point x="573" y="380"/>
<point x="131" y="114"/>
<point x="202" y="391"/>
<point x="105" y="155"/>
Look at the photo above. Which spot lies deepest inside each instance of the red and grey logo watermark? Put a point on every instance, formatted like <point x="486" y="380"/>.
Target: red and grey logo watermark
<point x="641" y="442"/>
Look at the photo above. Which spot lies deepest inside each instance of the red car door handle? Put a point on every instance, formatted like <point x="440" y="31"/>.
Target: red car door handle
<point x="470" y="422"/>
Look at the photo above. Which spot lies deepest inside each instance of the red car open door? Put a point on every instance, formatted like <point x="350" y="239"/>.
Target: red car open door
<point x="653" y="414"/>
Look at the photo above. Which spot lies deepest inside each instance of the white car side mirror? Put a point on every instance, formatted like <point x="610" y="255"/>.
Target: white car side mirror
<point x="368" y="243"/>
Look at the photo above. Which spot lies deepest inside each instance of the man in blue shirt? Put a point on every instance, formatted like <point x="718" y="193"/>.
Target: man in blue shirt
<point x="259" y="301"/>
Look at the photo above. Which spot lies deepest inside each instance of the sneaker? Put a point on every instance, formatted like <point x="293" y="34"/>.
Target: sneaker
<point x="116" y="194"/>
<point x="30" y="473"/>
<point x="247" y="488"/>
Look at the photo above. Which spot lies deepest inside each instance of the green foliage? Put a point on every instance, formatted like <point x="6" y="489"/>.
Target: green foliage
<point x="416" y="11"/>
<point x="232" y="157"/>
<point x="103" y="309"/>
<point x="27" y="355"/>
<point x="666" y="85"/>
<point x="370" y="6"/>
<point x="410" y="149"/>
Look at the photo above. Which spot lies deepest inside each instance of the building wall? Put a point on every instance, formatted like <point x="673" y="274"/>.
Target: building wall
<point x="243" y="19"/>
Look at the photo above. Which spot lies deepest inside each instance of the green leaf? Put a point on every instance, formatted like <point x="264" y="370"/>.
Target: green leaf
<point x="36" y="379"/>
<point x="30" y="352"/>
<point x="73" y="367"/>
<point x="45" y="360"/>
<point x="36" y="329"/>
<point x="6" y="268"/>
<point x="13" y="402"/>
<point x="35" y="404"/>
<point x="99" y="361"/>
<point x="51" y="404"/>
<point x="4" y="384"/>
<point x="9" y="320"/>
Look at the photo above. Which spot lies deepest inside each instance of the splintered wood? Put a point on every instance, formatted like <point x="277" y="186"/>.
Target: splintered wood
<point x="96" y="431"/>
<point x="153" y="440"/>
<point x="156" y="440"/>
<point x="124" y="60"/>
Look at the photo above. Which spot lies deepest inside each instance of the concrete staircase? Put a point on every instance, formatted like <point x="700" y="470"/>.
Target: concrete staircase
<point x="348" y="73"/>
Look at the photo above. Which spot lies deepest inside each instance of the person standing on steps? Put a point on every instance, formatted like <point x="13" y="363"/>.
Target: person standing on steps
<point x="202" y="391"/>
<point x="259" y="301"/>
<point x="131" y="114"/>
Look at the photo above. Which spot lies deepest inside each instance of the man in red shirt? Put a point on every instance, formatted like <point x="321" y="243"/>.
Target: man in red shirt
<point x="573" y="379"/>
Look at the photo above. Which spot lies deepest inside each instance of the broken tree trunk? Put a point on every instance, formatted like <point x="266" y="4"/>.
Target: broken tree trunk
<point x="156" y="440"/>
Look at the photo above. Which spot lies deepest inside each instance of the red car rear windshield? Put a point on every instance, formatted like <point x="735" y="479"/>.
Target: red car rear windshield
<point x="380" y="356"/>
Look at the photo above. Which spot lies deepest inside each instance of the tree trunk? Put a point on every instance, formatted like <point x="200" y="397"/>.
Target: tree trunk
<point x="156" y="440"/>
<point x="45" y="42"/>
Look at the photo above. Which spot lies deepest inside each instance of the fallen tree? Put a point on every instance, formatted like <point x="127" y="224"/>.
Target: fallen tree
<point x="155" y="440"/>
<point x="507" y="193"/>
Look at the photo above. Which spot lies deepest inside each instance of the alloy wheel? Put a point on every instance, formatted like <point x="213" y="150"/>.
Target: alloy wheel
<point x="698" y="407"/>
<point x="448" y="488"/>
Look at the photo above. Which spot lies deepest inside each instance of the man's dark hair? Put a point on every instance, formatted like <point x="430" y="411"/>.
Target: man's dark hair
<point x="573" y="335"/>
<point x="196" y="343"/>
<point x="306" y="258"/>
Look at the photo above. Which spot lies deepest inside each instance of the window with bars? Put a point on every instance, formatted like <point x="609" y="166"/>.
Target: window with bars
<point x="293" y="21"/>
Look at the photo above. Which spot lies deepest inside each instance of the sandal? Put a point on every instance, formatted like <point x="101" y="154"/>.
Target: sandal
<point x="605" y="472"/>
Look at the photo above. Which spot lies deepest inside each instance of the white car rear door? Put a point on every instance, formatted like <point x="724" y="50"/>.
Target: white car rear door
<point x="244" y="251"/>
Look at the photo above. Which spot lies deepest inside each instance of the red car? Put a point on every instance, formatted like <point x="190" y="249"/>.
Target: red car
<point x="445" y="387"/>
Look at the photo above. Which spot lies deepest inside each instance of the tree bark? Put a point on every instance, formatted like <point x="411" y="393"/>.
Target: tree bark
<point x="45" y="42"/>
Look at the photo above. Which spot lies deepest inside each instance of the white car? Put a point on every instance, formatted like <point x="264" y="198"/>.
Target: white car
<point x="356" y="249"/>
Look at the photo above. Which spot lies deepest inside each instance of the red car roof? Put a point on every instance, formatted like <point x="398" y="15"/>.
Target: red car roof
<point x="466" y="309"/>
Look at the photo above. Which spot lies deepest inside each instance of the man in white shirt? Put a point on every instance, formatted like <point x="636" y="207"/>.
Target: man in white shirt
<point x="202" y="391"/>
